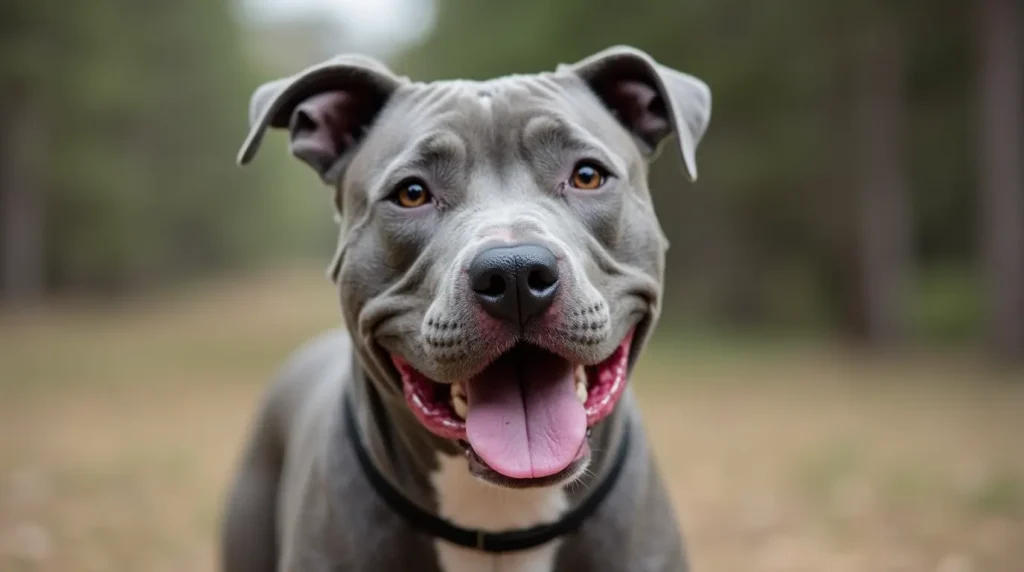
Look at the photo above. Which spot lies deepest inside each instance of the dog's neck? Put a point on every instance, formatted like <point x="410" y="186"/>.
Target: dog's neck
<point x="434" y="474"/>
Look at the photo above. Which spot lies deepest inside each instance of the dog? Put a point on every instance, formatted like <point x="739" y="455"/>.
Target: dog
<point x="499" y="269"/>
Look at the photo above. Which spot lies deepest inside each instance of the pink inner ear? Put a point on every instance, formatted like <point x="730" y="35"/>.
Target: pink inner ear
<point x="634" y="101"/>
<point x="322" y="126"/>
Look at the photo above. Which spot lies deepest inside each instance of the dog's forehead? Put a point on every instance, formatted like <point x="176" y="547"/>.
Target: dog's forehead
<point x="479" y="110"/>
<point x="485" y="118"/>
<point x="514" y="91"/>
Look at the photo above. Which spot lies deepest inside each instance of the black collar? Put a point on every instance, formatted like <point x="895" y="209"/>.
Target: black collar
<point x="508" y="541"/>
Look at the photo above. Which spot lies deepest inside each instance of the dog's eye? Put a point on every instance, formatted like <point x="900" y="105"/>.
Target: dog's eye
<point x="588" y="176"/>
<point x="411" y="194"/>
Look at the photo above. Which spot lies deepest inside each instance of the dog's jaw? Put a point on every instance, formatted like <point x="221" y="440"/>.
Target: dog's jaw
<point x="494" y="453"/>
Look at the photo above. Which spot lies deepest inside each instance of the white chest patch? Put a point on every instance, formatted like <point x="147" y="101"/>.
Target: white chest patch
<point x="470" y="503"/>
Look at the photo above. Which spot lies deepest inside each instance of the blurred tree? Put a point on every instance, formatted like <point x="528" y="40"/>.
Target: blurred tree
<point x="21" y="199"/>
<point x="123" y="120"/>
<point x="1001" y="174"/>
<point x="23" y="103"/>
<point x="882" y="176"/>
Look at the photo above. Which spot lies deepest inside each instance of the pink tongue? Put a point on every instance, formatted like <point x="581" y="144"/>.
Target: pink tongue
<point x="524" y="418"/>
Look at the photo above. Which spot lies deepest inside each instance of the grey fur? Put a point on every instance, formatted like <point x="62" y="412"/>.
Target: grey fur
<point x="494" y="153"/>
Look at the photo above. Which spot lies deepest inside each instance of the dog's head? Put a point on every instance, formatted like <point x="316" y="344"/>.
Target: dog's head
<point x="500" y="262"/>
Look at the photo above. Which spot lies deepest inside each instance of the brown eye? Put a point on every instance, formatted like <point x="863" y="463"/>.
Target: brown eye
<point x="411" y="194"/>
<point x="587" y="176"/>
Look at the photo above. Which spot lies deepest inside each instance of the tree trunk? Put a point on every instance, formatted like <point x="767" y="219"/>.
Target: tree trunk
<point x="881" y="178"/>
<point x="22" y="216"/>
<point x="1001" y="181"/>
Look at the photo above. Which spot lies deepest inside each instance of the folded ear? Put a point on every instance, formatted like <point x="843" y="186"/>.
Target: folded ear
<point x="326" y="108"/>
<point x="650" y="100"/>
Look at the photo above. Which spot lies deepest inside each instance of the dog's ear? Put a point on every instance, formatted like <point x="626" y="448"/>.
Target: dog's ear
<point x="326" y="108"/>
<point x="650" y="100"/>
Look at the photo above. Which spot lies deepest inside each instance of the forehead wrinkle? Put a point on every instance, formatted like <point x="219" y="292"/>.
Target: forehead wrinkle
<point x="544" y="86"/>
<point x="441" y="152"/>
<point x="438" y="147"/>
<point x="553" y="130"/>
<point x="432" y="98"/>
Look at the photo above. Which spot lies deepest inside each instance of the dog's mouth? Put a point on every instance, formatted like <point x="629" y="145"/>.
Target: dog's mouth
<point x="526" y="416"/>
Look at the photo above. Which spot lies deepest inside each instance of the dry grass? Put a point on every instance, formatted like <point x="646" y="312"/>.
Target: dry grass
<point x="119" y="427"/>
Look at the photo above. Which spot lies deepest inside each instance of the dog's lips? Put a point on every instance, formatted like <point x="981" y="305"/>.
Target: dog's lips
<point x="434" y="412"/>
<point x="431" y="403"/>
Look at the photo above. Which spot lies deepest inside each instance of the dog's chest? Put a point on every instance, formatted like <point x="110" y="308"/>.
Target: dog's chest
<point x="470" y="503"/>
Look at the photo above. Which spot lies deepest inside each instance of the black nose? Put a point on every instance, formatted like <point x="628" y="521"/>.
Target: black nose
<point x="514" y="283"/>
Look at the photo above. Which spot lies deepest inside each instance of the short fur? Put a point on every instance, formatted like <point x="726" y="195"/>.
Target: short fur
<point x="495" y="155"/>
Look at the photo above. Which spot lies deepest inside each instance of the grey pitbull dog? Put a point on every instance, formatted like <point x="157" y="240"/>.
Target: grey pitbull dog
<point x="500" y="267"/>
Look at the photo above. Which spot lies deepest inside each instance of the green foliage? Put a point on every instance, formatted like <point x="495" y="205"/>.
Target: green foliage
<point x="944" y="306"/>
<point x="145" y="106"/>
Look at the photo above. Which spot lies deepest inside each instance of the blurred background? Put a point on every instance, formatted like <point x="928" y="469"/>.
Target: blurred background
<point x="837" y="381"/>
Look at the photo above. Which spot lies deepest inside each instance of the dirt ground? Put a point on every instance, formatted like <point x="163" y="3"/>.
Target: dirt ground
<point x="119" y="428"/>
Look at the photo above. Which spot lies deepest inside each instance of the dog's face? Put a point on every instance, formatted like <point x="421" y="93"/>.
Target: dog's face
<point x="500" y="261"/>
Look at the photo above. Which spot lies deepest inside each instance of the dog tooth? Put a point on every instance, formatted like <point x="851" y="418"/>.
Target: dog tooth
<point x="459" y="403"/>
<point x="581" y="384"/>
<point x="460" y="406"/>
<point x="581" y="393"/>
<point x="458" y="389"/>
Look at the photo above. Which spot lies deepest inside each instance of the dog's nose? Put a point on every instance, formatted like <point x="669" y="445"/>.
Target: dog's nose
<point x="514" y="283"/>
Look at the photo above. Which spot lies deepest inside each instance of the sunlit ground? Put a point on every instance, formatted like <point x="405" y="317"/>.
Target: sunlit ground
<point x="119" y="428"/>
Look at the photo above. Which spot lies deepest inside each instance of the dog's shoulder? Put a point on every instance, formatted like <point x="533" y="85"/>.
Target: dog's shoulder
<point x="318" y="366"/>
<point x="328" y="350"/>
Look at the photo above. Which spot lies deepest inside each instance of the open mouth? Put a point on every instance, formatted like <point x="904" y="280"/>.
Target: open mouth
<point x="526" y="416"/>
